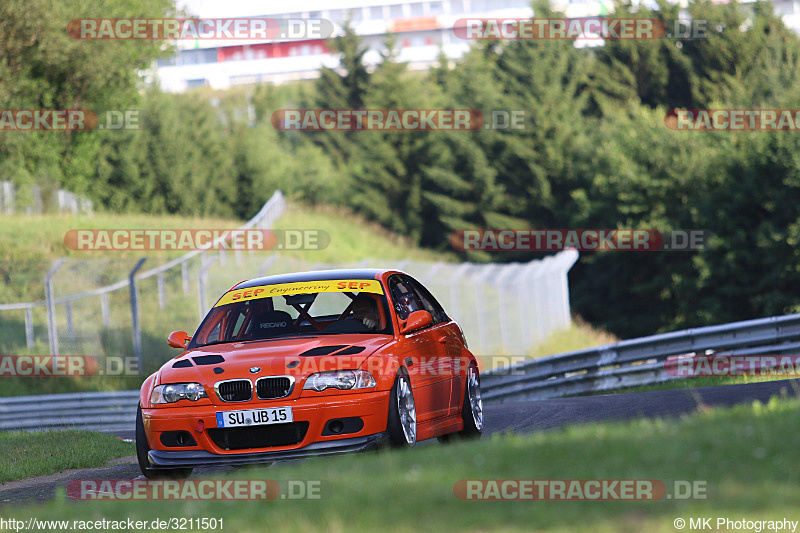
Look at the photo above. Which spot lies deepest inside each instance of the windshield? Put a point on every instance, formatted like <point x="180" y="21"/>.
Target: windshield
<point x="250" y="315"/>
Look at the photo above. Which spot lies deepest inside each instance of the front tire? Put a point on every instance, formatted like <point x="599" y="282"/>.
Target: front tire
<point x="402" y="421"/>
<point x="142" y="449"/>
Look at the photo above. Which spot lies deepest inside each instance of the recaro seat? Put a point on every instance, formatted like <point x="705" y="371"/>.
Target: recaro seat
<point x="271" y="324"/>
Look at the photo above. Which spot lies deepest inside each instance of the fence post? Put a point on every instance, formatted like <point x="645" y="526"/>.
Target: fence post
<point x="428" y="278"/>
<point x="52" y="331"/>
<point x="262" y="270"/>
<point x="202" y="280"/>
<point x="134" y="295"/>
<point x="185" y="277"/>
<point x="68" y="309"/>
<point x="480" y="281"/>
<point x="566" y="260"/>
<point x="8" y="197"/>
<point x="540" y="300"/>
<point x="104" y="310"/>
<point x="29" y="329"/>
<point x="455" y="277"/>
<point x="501" y="283"/>
<point x="162" y="296"/>
<point x="523" y="293"/>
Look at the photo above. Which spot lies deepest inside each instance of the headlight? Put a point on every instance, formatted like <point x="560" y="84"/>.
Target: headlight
<point x="177" y="391"/>
<point x="340" y="379"/>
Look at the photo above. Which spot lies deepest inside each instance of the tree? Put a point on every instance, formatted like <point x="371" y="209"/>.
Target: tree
<point x="42" y="67"/>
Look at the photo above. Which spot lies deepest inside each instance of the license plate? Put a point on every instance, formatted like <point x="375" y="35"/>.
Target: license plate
<point x="254" y="417"/>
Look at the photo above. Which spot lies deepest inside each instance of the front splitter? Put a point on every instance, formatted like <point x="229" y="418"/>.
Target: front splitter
<point x="192" y="458"/>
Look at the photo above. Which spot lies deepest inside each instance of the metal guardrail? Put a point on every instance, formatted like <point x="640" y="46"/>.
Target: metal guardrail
<point x="108" y="412"/>
<point x="639" y="361"/>
<point x="628" y="363"/>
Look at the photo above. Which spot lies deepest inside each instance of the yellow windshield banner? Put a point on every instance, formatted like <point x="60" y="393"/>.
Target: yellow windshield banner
<point x="301" y="287"/>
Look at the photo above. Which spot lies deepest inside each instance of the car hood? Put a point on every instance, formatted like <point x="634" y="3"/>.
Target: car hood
<point x="289" y="357"/>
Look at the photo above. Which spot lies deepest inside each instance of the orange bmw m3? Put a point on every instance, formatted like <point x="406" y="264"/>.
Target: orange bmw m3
<point x="306" y="364"/>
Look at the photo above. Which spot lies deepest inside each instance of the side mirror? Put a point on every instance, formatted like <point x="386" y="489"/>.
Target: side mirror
<point x="178" y="339"/>
<point x="416" y="320"/>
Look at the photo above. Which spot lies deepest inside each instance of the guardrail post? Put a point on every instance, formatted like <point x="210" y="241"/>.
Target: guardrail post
<point x="52" y="331"/>
<point x="29" y="341"/>
<point x="134" y="295"/>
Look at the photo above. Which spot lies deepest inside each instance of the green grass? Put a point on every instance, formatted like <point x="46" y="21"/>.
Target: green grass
<point x="746" y="456"/>
<point x="693" y="383"/>
<point x="46" y="452"/>
<point x="579" y="336"/>
<point x="353" y="238"/>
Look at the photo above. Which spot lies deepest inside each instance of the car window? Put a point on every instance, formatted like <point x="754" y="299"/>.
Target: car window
<point x="429" y="303"/>
<point x="322" y="313"/>
<point x="404" y="299"/>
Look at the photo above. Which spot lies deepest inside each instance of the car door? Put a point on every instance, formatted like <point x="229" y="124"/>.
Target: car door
<point x="426" y="358"/>
<point x="451" y="346"/>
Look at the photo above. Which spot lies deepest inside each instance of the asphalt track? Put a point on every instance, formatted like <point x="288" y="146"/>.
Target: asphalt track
<point x="520" y="417"/>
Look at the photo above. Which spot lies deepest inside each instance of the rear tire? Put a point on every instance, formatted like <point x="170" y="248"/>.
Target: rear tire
<point x="142" y="449"/>
<point x="472" y="406"/>
<point x="471" y="409"/>
<point x="402" y="421"/>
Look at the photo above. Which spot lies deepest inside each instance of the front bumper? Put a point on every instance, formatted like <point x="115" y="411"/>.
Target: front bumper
<point x="371" y="408"/>
<point x="192" y="458"/>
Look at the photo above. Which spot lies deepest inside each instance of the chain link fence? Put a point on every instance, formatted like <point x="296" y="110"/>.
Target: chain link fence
<point x="127" y="307"/>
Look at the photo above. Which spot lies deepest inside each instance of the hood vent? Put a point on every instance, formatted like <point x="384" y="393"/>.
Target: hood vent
<point x="322" y="350"/>
<point x="351" y="350"/>
<point x="208" y="360"/>
<point x="183" y="363"/>
<point x="335" y="350"/>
